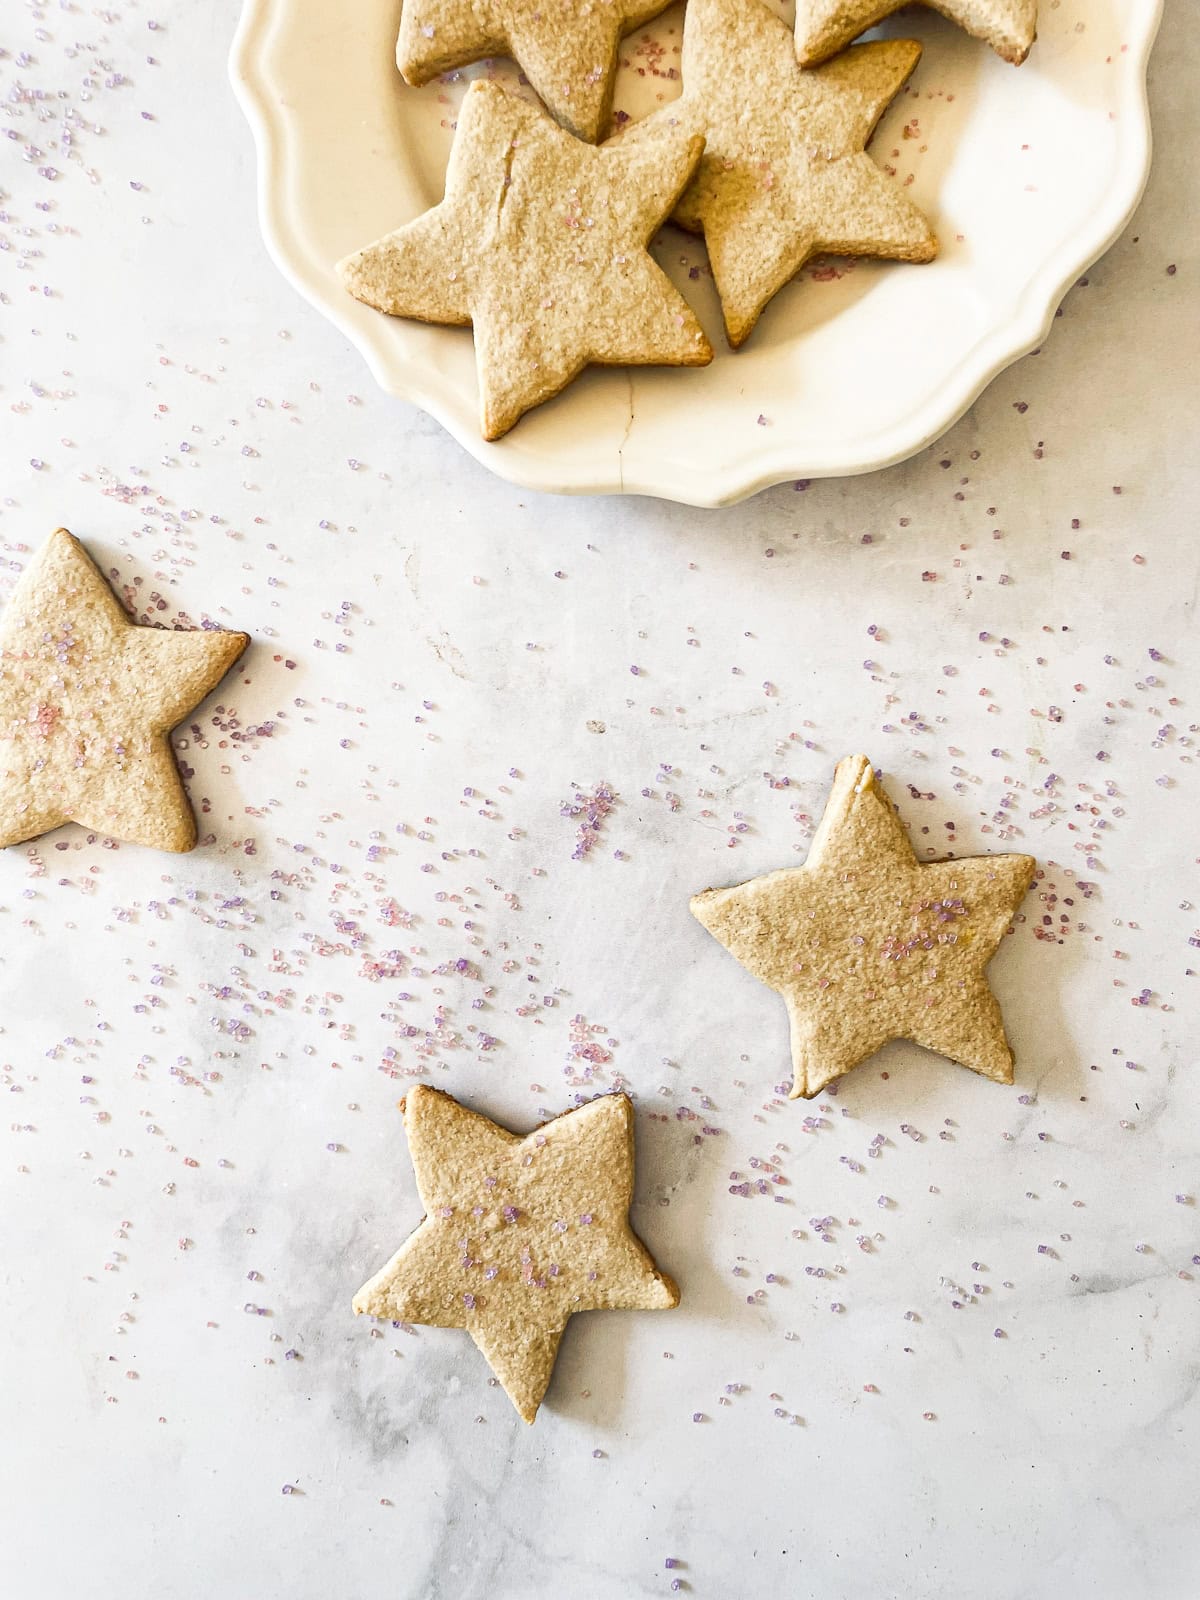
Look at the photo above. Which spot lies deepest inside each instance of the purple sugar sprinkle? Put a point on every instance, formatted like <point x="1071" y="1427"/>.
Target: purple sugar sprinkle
<point x="590" y="811"/>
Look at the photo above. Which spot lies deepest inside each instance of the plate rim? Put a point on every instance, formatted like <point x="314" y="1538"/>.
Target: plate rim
<point x="706" y="486"/>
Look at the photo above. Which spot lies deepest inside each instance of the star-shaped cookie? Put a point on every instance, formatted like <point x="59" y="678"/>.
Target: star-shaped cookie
<point x="519" y="1234"/>
<point x="823" y="27"/>
<point x="566" y="48"/>
<point x="866" y="944"/>
<point x="87" y="701"/>
<point x="784" y="174"/>
<point x="540" y="244"/>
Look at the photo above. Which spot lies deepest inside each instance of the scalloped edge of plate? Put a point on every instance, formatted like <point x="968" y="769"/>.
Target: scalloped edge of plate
<point x="706" y="486"/>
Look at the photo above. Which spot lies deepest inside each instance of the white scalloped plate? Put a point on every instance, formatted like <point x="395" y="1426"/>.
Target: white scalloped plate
<point x="1028" y="173"/>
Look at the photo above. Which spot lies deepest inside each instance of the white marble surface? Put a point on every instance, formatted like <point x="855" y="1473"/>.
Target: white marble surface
<point x="438" y="662"/>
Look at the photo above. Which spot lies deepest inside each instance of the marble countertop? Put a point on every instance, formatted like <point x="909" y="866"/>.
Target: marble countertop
<point x="947" y="1340"/>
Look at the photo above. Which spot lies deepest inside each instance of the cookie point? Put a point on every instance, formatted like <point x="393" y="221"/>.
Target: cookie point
<point x="347" y="270"/>
<point x="700" y="904"/>
<point x="63" y="542"/>
<point x="1019" y="54"/>
<point x="618" y="1105"/>
<point x="233" y="643"/>
<point x="860" y="771"/>
<point x="182" y="839"/>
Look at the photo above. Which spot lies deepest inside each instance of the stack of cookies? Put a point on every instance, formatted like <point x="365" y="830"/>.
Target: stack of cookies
<point x="541" y="242"/>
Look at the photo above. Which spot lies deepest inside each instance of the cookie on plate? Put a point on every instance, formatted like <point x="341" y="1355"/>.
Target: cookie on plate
<point x="823" y="27"/>
<point x="87" y="703"/>
<point x="540" y="244"/>
<point x="567" y="49"/>
<point x="784" y="175"/>
<point x="866" y="944"/>
<point x="519" y="1234"/>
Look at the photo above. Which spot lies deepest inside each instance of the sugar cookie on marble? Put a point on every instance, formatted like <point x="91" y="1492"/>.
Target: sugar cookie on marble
<point x="866" y="944"/>
<point x="87" y="703"/>
<point x="519" y="1234"/>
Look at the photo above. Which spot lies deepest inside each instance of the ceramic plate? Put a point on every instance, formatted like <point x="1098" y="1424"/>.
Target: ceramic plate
<point x="1027" y="173"/>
